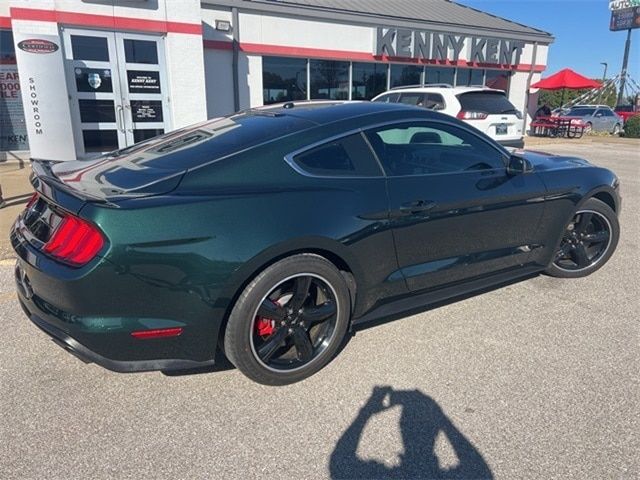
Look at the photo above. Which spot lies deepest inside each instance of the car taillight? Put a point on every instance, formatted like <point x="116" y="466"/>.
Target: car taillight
<point x="74" y="242"/>
<point x="469" y="115"/>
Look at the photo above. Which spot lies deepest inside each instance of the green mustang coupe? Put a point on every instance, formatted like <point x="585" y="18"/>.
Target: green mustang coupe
<point x="270" y="233"/>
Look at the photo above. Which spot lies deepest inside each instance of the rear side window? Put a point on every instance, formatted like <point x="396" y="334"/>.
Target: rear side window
<point x="346" y="157"/>
<point x="492" y="103"/>
<point x="434" y="101"/>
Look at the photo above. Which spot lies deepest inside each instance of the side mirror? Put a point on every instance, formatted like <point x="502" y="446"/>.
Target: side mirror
<point x="598" y="115"/>
<point x="518" y="165"/>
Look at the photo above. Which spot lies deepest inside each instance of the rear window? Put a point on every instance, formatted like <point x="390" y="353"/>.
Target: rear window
<point x="155" y="160"/>
<point x="624" y="108"/>
<point x="492" y="103"/>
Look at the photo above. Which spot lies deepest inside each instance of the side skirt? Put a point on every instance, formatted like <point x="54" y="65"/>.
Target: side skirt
<point x="393" y="309"/>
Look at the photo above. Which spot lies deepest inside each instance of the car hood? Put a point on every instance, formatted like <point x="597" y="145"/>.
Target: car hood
<point x="542" y="161"/>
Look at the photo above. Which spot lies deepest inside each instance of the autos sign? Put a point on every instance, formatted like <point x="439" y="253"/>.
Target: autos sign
<point x="622" y="4"/>
<point x="625" y="19"/>
<point x="35" y="45"/>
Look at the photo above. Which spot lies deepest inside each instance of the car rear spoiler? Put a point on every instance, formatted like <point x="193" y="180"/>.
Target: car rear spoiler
<point x="48" y="185"/>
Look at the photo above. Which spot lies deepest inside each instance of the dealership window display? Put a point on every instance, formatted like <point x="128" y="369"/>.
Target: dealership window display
<point x="13" y="130"/>
<point x="284" y="79"/>
<point x="329" y="80"/>
<point x="405" y="75"/>
<point x="368" y="80"/>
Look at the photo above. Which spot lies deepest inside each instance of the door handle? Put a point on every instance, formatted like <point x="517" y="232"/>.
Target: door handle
<point x="128" y="107"/>
<point x="418" y="206"/>
<point x="120" y="116"/>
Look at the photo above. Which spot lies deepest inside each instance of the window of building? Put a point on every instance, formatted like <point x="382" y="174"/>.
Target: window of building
<point x="369" y="80"/>
<point x="348" y="156"/>
<point x="469" y="76"/>
<point x="439" y="75"/>
<point x="424" y="148"/>
<point x="329" y="80"/>
<point x="405" y="75"/>
<point x="498" y="79"/>
<point x="284" y="79"/>
<point x="141" y="51"/>
<point x="89" y="48"/>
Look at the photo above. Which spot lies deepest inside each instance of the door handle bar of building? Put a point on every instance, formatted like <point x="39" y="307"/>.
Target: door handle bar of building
<point x="120" y="114"/>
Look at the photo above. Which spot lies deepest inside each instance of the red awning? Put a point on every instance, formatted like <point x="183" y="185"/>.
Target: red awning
<point x="566" y="78"/>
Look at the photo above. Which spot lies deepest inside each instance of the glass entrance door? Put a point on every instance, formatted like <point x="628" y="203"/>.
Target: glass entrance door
<point x="118" y="88"/>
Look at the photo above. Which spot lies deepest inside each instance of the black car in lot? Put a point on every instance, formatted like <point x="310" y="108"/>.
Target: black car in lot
<point x="270" y="232"/>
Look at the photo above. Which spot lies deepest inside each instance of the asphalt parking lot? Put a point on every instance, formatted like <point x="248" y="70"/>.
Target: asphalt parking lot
<point x="539" y="379"/>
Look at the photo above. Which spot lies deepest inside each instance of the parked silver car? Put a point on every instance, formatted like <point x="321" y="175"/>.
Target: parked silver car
<point x="597" y="118"/>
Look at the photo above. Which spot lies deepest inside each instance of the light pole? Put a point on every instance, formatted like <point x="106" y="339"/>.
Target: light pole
<point x="604" y="79"/>
<point x="604" y="75"/>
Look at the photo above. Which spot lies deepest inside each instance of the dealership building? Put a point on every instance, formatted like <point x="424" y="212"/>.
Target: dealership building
<point x="80" y="77"/>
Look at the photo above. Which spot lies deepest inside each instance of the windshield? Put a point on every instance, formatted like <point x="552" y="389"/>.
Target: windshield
<point x="581" y="112"/>
<point x="624" y="108"/>
<point x="493" y="103"/>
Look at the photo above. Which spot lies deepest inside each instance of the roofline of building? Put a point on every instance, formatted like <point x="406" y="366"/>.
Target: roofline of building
<point x="370" y="19"/>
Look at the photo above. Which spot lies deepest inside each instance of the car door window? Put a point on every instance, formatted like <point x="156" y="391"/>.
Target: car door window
<point x="425" y="148"/>
<point x="349" y="156"/>
<point x="413" y="98"/>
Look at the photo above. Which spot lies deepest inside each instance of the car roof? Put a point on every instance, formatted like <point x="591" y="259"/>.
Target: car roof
<point x="441" y="88"/>
<point x="324" y="112"/>
<point x="591" y="106"/>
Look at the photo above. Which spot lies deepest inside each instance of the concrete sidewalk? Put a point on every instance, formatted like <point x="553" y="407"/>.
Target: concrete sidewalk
<point x="16" y="191"/>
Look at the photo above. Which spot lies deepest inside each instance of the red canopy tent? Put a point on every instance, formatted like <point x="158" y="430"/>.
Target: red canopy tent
<point x="566" y="78"/>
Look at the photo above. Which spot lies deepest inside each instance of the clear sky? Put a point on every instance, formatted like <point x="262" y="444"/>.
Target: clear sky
<point x="581" y="31"/>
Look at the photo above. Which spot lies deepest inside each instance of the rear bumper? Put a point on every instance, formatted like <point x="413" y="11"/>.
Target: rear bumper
<point x="81" y="316"/>
<point x="74" y="347"/>
<point x="519" y="143"/>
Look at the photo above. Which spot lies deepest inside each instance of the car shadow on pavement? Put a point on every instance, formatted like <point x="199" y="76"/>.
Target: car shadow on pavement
<point x="422" y="421"/>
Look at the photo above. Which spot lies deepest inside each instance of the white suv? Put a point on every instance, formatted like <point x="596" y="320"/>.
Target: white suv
<point x="487" y="109"/>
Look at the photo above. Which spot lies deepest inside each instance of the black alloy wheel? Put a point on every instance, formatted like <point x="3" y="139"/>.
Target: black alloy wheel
<point x="294" y="323"/>
<point x="289" y="321"/>
<point x="587" y="242"/>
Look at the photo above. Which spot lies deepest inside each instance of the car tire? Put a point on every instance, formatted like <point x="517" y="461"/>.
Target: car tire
<point x="587" y="225"/>
<point x="273" y="349"/>
<point x="616" y="129"/>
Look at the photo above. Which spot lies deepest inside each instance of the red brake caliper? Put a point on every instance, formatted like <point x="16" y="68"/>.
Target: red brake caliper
<point x="265" y="326"/>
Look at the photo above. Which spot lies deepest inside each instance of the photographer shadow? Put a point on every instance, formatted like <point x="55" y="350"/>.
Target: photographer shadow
<point x="421" y="421"/>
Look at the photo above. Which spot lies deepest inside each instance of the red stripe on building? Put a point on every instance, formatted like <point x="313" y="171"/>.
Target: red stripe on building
<point x="105" y="21"/>
<point x="285" y="51"/>
<point x="5" y="22"/>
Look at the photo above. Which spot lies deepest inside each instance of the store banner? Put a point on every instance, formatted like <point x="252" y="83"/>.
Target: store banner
<point x="44" y="95"/>
<point x="13" y="130"/>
